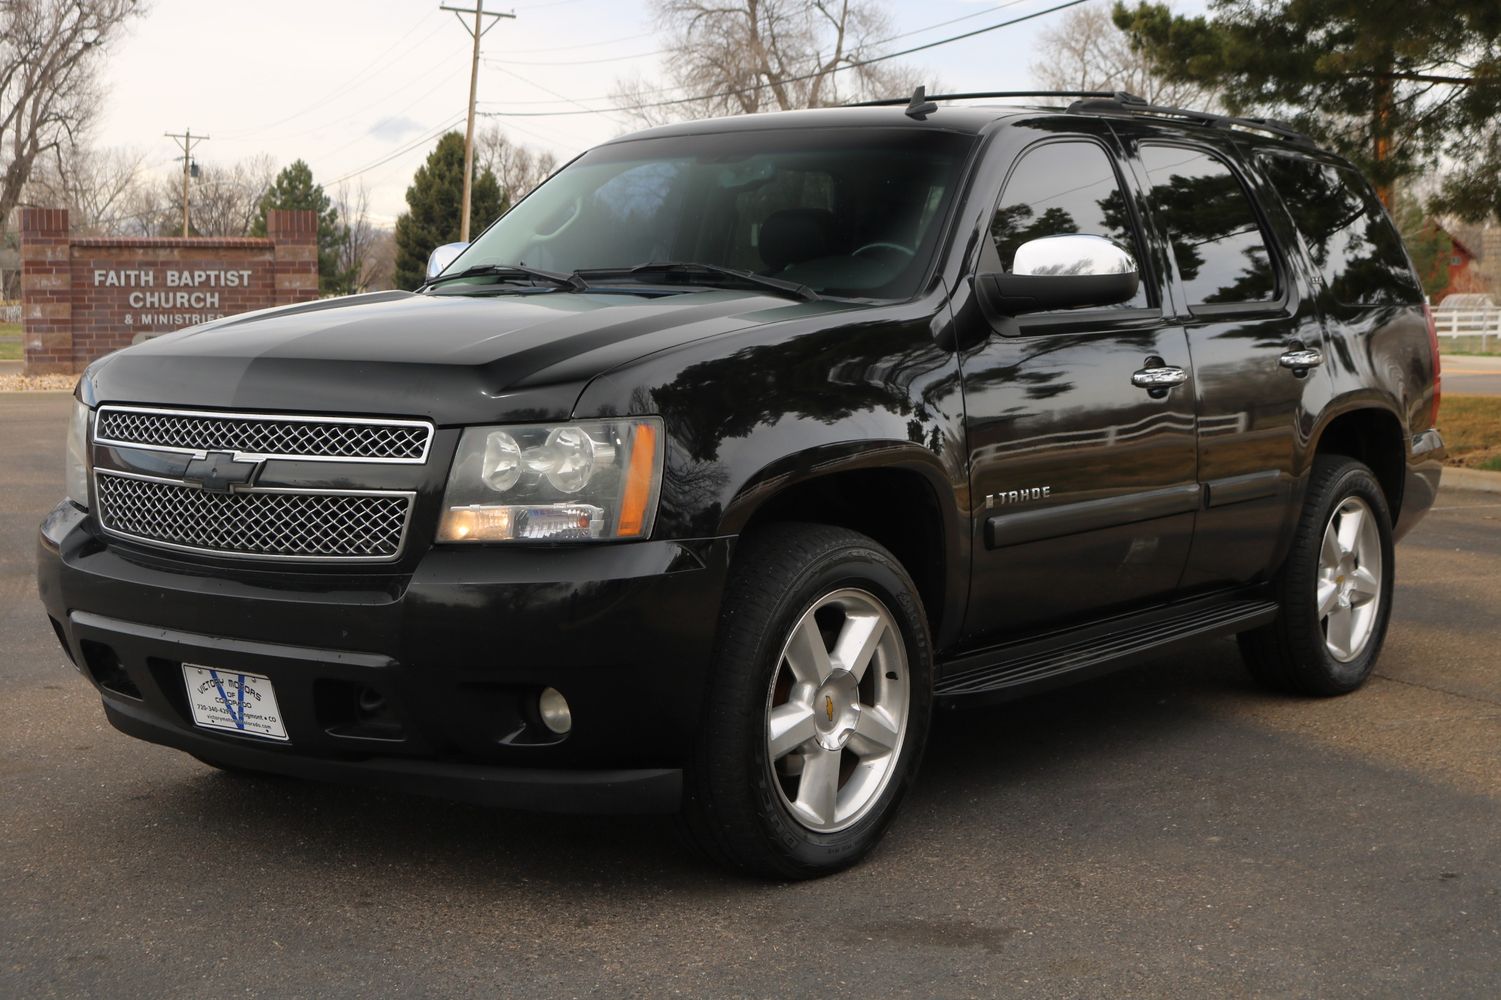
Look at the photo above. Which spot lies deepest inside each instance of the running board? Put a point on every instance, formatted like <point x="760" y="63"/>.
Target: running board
<point x="1073" y="654"/>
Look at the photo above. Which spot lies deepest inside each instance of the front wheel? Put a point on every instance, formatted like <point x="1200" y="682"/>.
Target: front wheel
<point x="818" y="706"/>
<point x="1335" y="588"/>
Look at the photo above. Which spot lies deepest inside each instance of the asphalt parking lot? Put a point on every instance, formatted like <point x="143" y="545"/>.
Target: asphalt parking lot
<point x="1170" y="831"/>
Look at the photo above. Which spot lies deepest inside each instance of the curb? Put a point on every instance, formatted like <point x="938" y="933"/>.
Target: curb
<point x="1470" y="479"/>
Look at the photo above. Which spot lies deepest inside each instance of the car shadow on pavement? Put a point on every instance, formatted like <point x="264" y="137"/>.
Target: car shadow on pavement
<point x="977" y="757"/>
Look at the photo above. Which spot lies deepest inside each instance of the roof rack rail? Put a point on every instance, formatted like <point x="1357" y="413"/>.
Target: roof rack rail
<point x="1137" y="106"/>
<point x="920" y="98"/>
<point x="921" y="104"/>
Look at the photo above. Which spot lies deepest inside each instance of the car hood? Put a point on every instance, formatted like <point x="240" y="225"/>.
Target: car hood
<point x="454" y="359"/>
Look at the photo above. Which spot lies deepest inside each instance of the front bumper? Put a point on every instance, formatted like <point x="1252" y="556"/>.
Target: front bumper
<point x="451" y="656"/>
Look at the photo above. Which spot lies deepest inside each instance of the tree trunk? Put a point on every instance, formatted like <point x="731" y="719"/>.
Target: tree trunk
<point x="1381" y="131"/>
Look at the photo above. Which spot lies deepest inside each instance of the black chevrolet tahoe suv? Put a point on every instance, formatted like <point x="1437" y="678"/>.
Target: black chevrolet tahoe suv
<point x="703" y="475"/>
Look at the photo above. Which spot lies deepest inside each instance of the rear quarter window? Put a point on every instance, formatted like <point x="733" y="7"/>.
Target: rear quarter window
<point x="1350" y="238"/>
<point x="1218" y="244"/>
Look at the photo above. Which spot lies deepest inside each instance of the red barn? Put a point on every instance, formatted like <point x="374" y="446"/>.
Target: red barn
<point x="1462" y="262"/>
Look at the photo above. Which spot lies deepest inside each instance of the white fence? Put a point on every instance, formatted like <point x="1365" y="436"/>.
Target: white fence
<point x="1482" y="323"/>
<point x="10" y="312"/>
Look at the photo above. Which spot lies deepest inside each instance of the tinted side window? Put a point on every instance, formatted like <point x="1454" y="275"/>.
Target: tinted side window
<point x="1351" y="239"/>
<point x="1207" y="216"/>
<point x="1063" y="187"/>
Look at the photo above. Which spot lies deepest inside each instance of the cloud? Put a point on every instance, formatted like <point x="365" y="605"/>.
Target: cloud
<point x="395" y="129"/>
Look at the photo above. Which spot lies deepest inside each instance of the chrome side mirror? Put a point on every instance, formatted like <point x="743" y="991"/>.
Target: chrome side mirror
<point x="1062" y="272"/>
<point x="441" y="257"/>
<point x="1073" y="254"/>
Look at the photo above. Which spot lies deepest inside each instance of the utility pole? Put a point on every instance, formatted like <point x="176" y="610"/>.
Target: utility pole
<point x="477" y="32"/>
<point x="186" y="140"/>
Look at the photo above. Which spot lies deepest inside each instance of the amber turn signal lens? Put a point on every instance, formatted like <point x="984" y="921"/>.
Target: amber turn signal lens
<point x="638" y="481"/>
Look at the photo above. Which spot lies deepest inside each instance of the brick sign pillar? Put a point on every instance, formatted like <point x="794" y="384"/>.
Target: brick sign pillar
<point x="83" y="297"/>
<point x="296" y="237"/>
<point x="46" y="297"/>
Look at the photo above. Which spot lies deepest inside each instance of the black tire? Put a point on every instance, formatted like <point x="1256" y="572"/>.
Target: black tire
<point x="734" y="807"/>
<point x="1291" y="654"/>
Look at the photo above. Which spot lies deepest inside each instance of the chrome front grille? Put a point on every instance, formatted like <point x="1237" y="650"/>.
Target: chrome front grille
<point x="265" y="523"/>
<point x="252" y="435"/>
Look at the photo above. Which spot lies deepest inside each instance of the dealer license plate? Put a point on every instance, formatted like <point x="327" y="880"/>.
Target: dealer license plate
<point x="233" y="701"/>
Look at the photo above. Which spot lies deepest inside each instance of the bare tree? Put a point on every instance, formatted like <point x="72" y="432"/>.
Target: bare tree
<point x="224" y="201"/>
<point x="49" y="50"/>
<point x="98" y="187"/>
<point x="517" y="168"/>
<point x="743" y="56"/>
<point x="1086" y="51"/>
<point x="145" y="211"/>
<point x="383" y="260"/>
<point x="359" y="250"/>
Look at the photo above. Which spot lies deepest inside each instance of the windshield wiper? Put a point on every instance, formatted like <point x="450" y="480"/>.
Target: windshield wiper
<point x="713" y="275"/>
<point x="572" y="282"/>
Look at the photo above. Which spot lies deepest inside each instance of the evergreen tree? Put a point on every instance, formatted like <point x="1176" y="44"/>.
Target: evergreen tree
<point x="1396" y="86"/>
<point x="294" y="189"/>
<point x="433" y="204"/>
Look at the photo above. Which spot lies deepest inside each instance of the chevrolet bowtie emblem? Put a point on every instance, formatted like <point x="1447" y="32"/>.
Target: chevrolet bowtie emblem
<point x="220" y="472"/>
<point x="828" y="707"/>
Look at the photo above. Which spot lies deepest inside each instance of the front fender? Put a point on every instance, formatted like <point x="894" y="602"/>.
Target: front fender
<point x="835" y="458"/>
<point x="753" y="413"/>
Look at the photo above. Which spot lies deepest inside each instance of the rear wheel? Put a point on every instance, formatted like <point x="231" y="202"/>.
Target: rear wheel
<point x="818" y="708"/>
<point x="1335" y="588"/>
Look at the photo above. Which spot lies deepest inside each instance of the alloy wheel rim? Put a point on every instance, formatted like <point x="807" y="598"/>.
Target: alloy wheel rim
<point x="1348" y="591"/>
<point x="836" y="710"/>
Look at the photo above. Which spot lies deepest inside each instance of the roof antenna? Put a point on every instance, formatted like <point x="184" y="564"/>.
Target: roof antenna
<point x="920" y="107"/>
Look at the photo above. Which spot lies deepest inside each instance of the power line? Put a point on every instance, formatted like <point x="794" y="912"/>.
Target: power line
<point x="477" y="32"/>
<point x="547" y="4"/>
<point x="567" y="144"/>
<point x="955" y="20"/>
<point x="342" y="122"/>
<point x="661" y="51"/>
<point x="579" y="62"/>
<point x="671" y="87"/>
<point x="545" y="90"/>
<point x="427" y="137"/>
<point x="793" y="79"/>
<point x="594" y="45"/>
<point x="688" y="100"/>
<point x="657" y="52"/>
<point x="393" y="116"/>
<point x="358" y="77"/>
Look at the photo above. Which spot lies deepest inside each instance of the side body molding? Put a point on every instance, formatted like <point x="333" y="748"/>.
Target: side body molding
<point x="1019" y="527"/>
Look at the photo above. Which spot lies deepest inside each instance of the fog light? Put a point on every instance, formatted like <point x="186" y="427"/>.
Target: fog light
<point x="553" y="708"/>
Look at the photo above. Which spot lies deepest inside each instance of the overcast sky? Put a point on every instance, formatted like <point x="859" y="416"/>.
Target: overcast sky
<point x="345" y="84"/>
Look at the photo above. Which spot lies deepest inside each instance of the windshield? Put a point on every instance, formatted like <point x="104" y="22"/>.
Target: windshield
<point x="845" y="212"/>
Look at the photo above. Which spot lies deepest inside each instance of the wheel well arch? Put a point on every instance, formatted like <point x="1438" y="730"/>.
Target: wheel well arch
<point x="897" y="507"/>
<point x="1373" y="435"/>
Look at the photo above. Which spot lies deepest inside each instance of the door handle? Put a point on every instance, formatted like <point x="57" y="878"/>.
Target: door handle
<point x="1301" y="359"/>
<point x="1162" y="377"/>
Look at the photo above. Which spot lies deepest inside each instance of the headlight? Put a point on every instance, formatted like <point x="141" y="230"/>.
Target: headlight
<point x="575" y="482"/>
<point x="78" y="455"/>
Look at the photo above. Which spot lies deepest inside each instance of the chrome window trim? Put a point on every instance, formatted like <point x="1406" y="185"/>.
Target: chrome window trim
<point x="401" y="540"/>
<point x="271" y="417"/>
